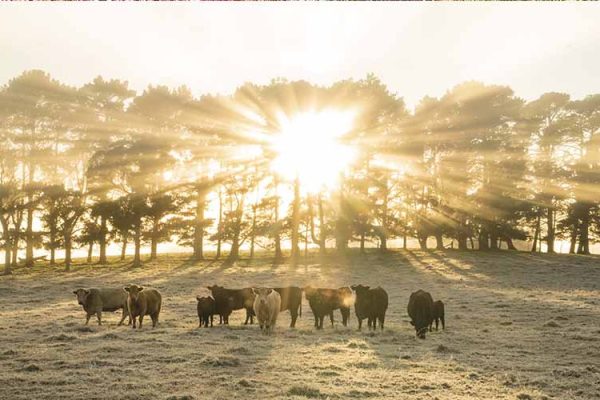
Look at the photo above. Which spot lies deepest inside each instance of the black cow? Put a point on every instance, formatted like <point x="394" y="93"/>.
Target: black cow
<point x="438" y="315"/>
<point x="420" y="310"/>
<point x="324" y="301"/>
<point x="371" y="304"/>
<point x="291" y="299"/>
<point x="206" y="310"/>
<point x="228" y="300"/>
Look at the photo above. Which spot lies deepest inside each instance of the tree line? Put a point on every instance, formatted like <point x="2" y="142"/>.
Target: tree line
<point x="98" y="164"/>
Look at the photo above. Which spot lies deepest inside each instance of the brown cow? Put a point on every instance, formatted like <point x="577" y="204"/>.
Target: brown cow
<point x="420" y="310"/>
<point x="206" y="309"/>
<point x="371" y="304"/>
<point x="94" y="301"/>
<point x="291" y="299"/>
<point x="324" y="301"/>
<point x="143" y="302"/>
<point x="438" y="315"/>
<point x="266" y="307"/>
<point x="227" y="300"/>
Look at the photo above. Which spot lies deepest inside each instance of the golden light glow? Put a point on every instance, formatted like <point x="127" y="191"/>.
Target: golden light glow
<point x="309" y="147"/>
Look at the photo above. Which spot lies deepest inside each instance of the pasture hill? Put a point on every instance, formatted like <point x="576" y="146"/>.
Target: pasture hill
<point x="518" y="326"/>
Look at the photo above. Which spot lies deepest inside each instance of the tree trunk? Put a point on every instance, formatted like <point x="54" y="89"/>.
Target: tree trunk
<point x="306" y="240"/>
<point x="52" y="245"/>
<point x="493" y="240"/>
<point x="154" y="240"/>
<point x="219" y="225"/>
<point x="6" y="239"/>
<point x="67" y="238"/>
<point x="137" y="260"/>
<point x="574" y="233"/>
<point x="341" y="223"/>
<point x="439" y="240"/>
<point x="29" y="234"/>
<point x="295" y="221"/>
<point x="252" y="232"/>
<point x="384" y="222"/>
<point x="322" y="230"/>
<point x="124" y="246"/>
<point x="422" y="242"/>
<point x="102" y="240"/>
<point x="536" y="235"/>
<point x="234" y="253"/>
<point x="89" y="254"/>
<point x="584" y="242"/>
<point x="199" y="225"/>
<point x="362" y="242"/>
<point x="462" y="241"/>
<point x="483" y="240"/>
<point x="510" y="244"/>
<point x="278" y="253"/>
<point x="550" y="239"/>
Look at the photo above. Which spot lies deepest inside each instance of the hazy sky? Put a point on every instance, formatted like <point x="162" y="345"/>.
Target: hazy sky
<point x="416" y="49"/>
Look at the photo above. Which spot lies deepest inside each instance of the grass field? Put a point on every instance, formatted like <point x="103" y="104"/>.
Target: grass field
<point x="519" y="326"/>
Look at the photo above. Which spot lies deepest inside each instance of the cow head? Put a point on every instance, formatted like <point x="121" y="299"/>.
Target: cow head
<point x="82" y="295"/>
<point x="309" y="291"/>
<point x="205" y="303"/>
<point x="360" y="290"/>
<point x="134" y="291"/>
<point x="420" y="328"/>
<point x="261" y="294"/>
<point x="214" y="288"/>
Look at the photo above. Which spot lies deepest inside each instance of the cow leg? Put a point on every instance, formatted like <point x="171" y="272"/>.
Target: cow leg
<point x="220" y="319"/>
<point x="345" y="315"/>
<point x="331" y="318"/>
<point x="141" y="320"/>
<point x="134" y="322"/>
<point x="154" y="320"/>
<point x="99" y="316"/>
<point x="294" y="315"/>
<point x="443" y="323"/>
<point x="436" y="324"/>
<point x="87" y="318"/>
<point x="122" y="318"/>
<point x="381" y="320"/>
<point x="316" y="322"/>
<point x="359" y="323"/>
<point x="321" y="318"/>
<point x="211" y="322"/>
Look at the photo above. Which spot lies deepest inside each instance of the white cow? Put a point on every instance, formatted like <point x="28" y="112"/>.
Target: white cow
<point x="266" y="307"/>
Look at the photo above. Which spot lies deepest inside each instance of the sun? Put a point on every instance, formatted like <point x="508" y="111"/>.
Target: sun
<point x="308" y="147"/>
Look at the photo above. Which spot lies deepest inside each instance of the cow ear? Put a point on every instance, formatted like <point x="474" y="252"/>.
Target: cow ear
<point x="86" y="291"/>
<point x="367" y="287"/>
<point x="74" y="291"/>
<point x="140" y="288"/>
<point x="126" y="288"/>
<point x="269" y="291"/>
<point x="198" y="298"/>
<point x="412" y="323"/>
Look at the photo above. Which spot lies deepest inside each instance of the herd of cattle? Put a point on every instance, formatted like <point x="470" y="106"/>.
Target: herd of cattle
<point x="265" y="304"/>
